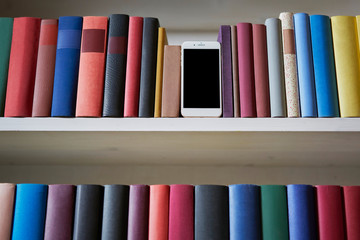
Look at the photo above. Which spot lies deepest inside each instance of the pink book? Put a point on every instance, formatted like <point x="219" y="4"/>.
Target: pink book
<point x="7" y="194"/>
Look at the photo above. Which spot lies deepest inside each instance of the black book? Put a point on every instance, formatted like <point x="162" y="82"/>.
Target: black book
<point x="211" y="212"/>
<point x="88" y="212"/>
<point x="115" y="71"/>
<point x="115" y="215"/>
<point x="148" y="67"/>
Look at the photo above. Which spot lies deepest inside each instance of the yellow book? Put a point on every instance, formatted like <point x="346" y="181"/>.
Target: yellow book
<point x="162" y="41"/>
<point x="345" y="30"/>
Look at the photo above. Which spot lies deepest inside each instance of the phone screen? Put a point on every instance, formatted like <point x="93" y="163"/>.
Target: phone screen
<point x="201" y="78"/>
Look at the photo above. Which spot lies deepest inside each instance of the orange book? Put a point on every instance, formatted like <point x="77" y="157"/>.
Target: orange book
<point x="92" y="67"/>
<point x="159" y="212"/>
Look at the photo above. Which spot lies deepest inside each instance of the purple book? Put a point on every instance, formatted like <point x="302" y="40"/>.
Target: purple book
<point x="224" y="38"/>
<point x="138" y="224"/>
<point x="60" y="212"/>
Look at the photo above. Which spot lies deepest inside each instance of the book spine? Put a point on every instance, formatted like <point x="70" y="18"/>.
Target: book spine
<point x="245" y="212"/>
<point x="60" y="212"/>
<point x="115" y="72"/>
<point x="324" y="66"/>
<point x="44" y="78"/>
<point x="261" y="72"/>
<point x="115" y="214"/>
<point x="66" y="67"/>
<point x="92" y="67"/>
<point x="274" y="212"/>
<point x="224" y="38"/>
<point x="171" y="82"/>
<point x="6" y="29"/>
<point x="138" y="223"/>
<point x="302" y="212"/>
<point x="235" y="71"/>
<point x="211" y="212"/>
<point x="88" y="212"/>
<point x="162" y="41"/>
<point x="346" y="53"/>
<point x="290" y="65"/>
<point x="148" y="67"/>
<point x="29" y="212"/>
<point x="352" y="211"/>
<point x="159" y="212"/>
<point x="181" y="212"/>
<point x="133" y="67"/>
<point x="22" y="67"/>
<point x="305" y="65"/>
<point x="246" y="70"/>
<point x="276" y="68"/>
<point x="330" y="212"/>
<point x="7" y="195"/>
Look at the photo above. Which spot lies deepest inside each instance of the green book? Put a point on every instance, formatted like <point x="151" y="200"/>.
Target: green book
<point x="6" y="28"/>
<point x="274" y="212"/>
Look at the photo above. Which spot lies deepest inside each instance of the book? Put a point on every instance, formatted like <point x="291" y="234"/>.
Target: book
<point x="235" y="71"/>
<point x="115" y="72"/>
<point x="66" y="67"/>
<point x="290" y="65"/>
<point x="29" y="212"/>
<point x="245" y="211"/>
<point x="133" y="67"/>
<point x="330" y="212"/>
<point x="22" y="67"/>
<point x="261" y="72"/>
<point x="88" y="212"/>
<point x="138" y="223"/>
<point x="115" y="214"/>
<point x="305" y="65"/>
<point x="60" y="212"/>
<point x="211" y="212"/>
<point x="45" y="67"/>
<point x="346" y="53"/>
<point x="181" y="212"/>
<point x="274" y="212"/>
<point x="324" y="66"/>
<point x="352" y="211"/>
<point x="159" y="212"/>
<point x="276" y="68"/>
<point x="171" y="82"/>
<point x="92" y="67"/>
<point x="148" y="67"/>
<point x="246" y="70"/>
<point x="6" y="29"/>
<point x="7" y="195"/>
<point x="224" y="38"/>
<point x="162" y="41"/>
<point x="302" y="212"/>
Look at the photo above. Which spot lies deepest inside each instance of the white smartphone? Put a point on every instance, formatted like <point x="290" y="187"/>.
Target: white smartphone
<point x="201" y="79"/>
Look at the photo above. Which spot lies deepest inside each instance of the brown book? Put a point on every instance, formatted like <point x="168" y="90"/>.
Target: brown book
<point x="7" y="193"/>
<point x="170" y="106"/>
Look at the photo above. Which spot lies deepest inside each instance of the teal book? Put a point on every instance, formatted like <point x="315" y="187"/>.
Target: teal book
<point x="6" y="28"/>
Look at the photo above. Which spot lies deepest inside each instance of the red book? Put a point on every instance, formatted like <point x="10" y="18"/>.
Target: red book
<point x="246" y="70"/>
<point x="330" y="212"/>
<point x="159" y="212"/>
<point x="92" y="67"/>
<point x="45" y="68"/>
<point x="22" y="67"/>
<point x="133" y="67"/>
<point x="352" y="211"/>
<point x="261" y="72"/>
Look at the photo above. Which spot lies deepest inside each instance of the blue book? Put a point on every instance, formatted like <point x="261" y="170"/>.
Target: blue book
<point x="302" y="212"/>
<point x="324" y="66"/>
<point x="305" y="65"/>
<point x="66" y="67"/>
<point x="29" y="212"/>
<point x="245" y="212"/>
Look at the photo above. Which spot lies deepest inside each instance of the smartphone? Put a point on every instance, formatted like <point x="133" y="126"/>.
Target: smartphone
<point x="201" y="79"/>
